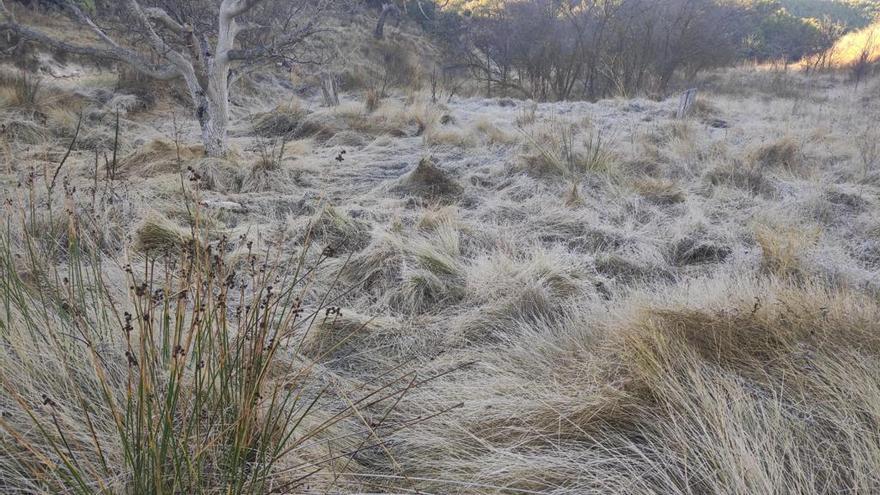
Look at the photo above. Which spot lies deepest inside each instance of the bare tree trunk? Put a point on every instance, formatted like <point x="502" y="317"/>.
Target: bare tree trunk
<point x="328" y="89"/>
<point x="214" y="119"/>
<point x="212" y="114"/>
<point x="387" y="9"/>
<point x="203" y="59"/>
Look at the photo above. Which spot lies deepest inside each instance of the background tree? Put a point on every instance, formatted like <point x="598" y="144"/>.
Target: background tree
<point x="206" y="43"/>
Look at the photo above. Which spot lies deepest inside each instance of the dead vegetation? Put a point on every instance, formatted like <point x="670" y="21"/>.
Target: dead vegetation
<point x="449" y="294"/>
<point x="785" y="153"/>
<point x="427" y="180"/>
<point x="565" y="149"/>
<point x="784" y="248"/>
<point x="160" y="157"/>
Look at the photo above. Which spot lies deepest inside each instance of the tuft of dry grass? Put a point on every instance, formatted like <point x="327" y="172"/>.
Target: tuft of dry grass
<point x="158" y="236"/>
<point x="22" y="130"/>
<point x="562" y="149"/>
<point x="659" y="191"/>
<point x="160" y="156"/>
<point x="336" y="333"/>
<point x="677" y="392"/>
<point x="572" y="196"/>
<point x="413" y="273"/>
<point x="784" y="153"/>
<point x="493" y="134"/>
<point x="429" y="181"/>
<point x="515" y="292"/>
<point x="22" y="90"/>
<point x="372" y="99"/>
<point x="284" y="121"/>
<point x="449" y="136"/>
<point x="336" y="230"/>
<point x="748" y="176"/>
<point x="527" y="115"/>
<point x="783" y="248"/>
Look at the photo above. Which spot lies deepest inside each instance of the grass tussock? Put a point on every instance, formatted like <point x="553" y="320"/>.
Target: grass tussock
<point x="283" y="121"/>
<point x="449" y="135"/>
<point x="676" y="394"/>
<point x="181" y="377"/>
<point x="695" y="249"/>
<point x="782" y="154"/>
<point x="160" y="156"/>
<point x="216" y="174"/>
<point x="493" y="134"/>
<point x="429" y="181"/>
<point x="23" y="130"/>
<point x="21" y="90"/>
<point x="412" y="273"/>
<point x="748" y="176"/>
<point x="159" y="236"/>
<point x="433" y="274"/>
<point x="563" y="149"/>
<point x="336" y="230"/>
<point x="372" y="99"/>
<point x="390" y="119"/>
<point x="659" y="191"/>
<point x="336" y="334"/>
<point x="513" y="292"/>
<point x="784" y="248"/>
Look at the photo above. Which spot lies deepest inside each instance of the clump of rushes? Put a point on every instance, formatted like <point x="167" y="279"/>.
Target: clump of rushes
<point x="189" y="381"/>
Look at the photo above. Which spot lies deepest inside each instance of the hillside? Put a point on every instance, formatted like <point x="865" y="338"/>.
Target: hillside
<point x="432" y="291"/>
<point x="855" y="14"/>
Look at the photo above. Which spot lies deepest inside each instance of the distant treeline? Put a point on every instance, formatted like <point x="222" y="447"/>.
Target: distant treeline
<point x="854" y="14"/>
<point x="564" y="49"/>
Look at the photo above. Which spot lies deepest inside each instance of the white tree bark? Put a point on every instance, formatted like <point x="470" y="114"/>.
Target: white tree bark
<point x="204" y="66"/>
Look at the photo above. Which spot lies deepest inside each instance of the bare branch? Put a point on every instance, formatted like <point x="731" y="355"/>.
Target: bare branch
<point x="205" y="53"/>
<point x="160" y="15"/>
<point x="113" y="52"/>
<point x="159" y="45"/>
<point x="277" y="47"/>
<point x="81" y="17"/>
<point x="235" y="8"/>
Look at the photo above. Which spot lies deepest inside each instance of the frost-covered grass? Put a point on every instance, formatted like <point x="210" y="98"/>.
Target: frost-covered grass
<point x="558" y="297"/>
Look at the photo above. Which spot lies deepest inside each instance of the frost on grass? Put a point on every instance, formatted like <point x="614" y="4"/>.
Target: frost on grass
<point x="573" y="297"/>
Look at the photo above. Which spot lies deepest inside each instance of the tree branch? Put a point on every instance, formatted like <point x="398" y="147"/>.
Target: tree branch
<point x="160" y="15"/>
<point x="159" y="45"/>
<point x="114" y="52"/>
<point x="234" y="8"/>
<point x="161" y="72"/>
<point x="277" y="47"/>
<point x="81" y="17"/>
